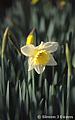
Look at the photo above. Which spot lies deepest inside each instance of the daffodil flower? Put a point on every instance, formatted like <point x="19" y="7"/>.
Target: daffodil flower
<point x="40" y="56"/>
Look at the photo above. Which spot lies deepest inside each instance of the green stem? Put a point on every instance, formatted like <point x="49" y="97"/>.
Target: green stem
<point x="29" y="84"/>
<point x="40" y="81"/>
<point x="68" y="95"/>
<point x="3" y="85"/>
<point x="68" y="58"/>
<point x="33" y="82"/>
<point x="33" y="92"/>
<point x="62" y="104"/>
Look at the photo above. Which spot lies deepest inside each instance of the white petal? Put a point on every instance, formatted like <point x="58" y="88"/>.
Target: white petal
<point x="30" y="64"/>
<point x="51" y="46"/>
<point x="52" y="61"/>
<point x="28" y="50"/>
<point x="39" y="68"/>
<point x="40" y="46"/>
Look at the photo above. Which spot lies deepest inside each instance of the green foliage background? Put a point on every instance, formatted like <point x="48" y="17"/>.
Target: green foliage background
<point x="23" y="95"/>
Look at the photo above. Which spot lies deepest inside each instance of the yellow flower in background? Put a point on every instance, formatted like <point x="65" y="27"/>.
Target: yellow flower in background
<point x="40" y="56"/>
<point x="62" y="3"/>
<point x="33" y="2"/>
<point x="31" y="39"/>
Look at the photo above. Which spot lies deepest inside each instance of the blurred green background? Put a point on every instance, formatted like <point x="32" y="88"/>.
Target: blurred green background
<point x="23" y="95"/>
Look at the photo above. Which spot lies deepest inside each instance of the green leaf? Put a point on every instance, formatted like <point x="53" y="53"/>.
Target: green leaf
<point x="23" y="90"/>
<point x="7" y="95"/>
<point x="20" y="96"/>
<point x="73" y="60"/>
<point x="46" y="89"/>
<point x="27" y="102"/>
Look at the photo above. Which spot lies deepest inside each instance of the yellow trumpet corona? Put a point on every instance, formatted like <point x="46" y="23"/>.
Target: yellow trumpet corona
<point x="41" y="58"/>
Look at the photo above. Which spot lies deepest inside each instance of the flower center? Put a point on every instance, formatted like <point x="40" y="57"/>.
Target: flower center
<point x="41" y="57"/>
